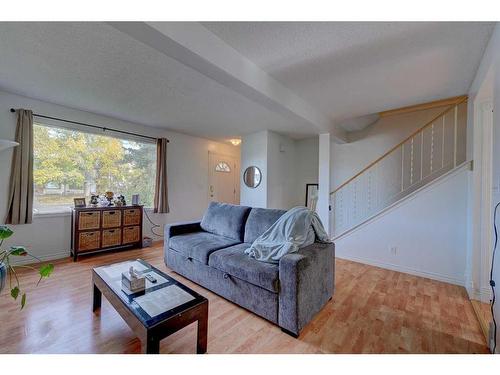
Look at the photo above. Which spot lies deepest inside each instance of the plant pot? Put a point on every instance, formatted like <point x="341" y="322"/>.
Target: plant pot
<point x="3" y="276"/>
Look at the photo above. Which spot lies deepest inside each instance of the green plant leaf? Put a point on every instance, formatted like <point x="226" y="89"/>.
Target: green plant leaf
<point x="46" y="270"/>
<point x="18" y="251"/>
<point x="14" y="292"/>
<point x="23" y="300"/>
<point x="5" y="232"/>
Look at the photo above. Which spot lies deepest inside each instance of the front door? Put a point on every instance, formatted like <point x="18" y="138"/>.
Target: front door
<point x="223" y="177"/>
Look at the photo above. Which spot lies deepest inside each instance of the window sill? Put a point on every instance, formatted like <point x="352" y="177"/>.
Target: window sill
<point x="43" y="215"/>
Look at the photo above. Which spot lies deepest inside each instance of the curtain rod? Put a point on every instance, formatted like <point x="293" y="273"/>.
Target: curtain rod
<point x="92" y="126"/>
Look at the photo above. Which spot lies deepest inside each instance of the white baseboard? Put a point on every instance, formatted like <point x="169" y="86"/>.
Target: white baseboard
<point x="45" y="257"/>
<point x="480" y="294"/>
<point x="404" y="269"/>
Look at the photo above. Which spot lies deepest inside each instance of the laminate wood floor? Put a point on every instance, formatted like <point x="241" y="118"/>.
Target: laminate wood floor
<point x="373" y="311"/>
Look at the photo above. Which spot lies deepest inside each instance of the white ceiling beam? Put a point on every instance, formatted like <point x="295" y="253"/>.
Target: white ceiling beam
<point x="195" y="46"/>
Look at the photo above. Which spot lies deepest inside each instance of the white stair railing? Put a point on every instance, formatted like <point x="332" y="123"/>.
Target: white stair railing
<point x="428" y="153"/>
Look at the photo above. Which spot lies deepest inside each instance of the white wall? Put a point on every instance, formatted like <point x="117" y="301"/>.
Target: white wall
<point x="49" y="236"/>
<point x="487" y="80"/>
<point x="306" y="166"/>
<point x="367" y="145"/>
<point x="481" y="194"/>
<point x="286" y="164"/>
<point x="282" y="185"/>
<point x="324" y="180"/>
<point x="254" y="153"/>
<point x="428" y="231"/>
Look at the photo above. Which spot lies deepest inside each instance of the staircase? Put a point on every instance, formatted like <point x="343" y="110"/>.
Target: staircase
<point x="435" y="149"/>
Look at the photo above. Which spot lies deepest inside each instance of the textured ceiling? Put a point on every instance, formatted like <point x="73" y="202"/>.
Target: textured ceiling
<point x="94" y="67"/>
<point x="344" y="70"/>
<point x="357" y="68"/>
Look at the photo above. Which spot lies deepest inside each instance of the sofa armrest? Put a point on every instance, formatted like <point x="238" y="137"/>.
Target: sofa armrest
<point x="306" y="284"/>
<point x="176" y="229"/>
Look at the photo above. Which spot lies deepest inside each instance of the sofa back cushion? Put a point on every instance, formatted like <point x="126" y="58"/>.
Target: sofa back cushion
<point x="226" y="220"/>
<point x="259" y="220"/>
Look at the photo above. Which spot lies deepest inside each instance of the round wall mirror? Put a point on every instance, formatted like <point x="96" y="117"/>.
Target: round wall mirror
<point x="252" y="177"/>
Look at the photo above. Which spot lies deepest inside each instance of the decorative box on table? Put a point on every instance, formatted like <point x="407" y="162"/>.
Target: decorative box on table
<point x="132" y="281"/>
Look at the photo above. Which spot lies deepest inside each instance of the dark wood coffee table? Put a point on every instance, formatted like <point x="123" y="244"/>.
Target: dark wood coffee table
<point x="162" y="309"/>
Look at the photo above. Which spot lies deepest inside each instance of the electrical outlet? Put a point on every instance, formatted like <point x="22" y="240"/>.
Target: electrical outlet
<point x="394" y="250"/>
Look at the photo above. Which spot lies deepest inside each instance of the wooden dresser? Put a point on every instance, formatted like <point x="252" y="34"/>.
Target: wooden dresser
<point x="105" y="228"/>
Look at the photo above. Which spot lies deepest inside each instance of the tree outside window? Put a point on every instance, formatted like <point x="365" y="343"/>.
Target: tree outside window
<point x="72" y="164"/>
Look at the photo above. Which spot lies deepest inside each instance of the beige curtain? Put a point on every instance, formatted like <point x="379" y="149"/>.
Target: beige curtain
<point x="20" y="207"/>
<point x="161" y="190"/>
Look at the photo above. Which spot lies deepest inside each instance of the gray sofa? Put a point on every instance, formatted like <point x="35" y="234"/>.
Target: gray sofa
<point x="211" y="252"/>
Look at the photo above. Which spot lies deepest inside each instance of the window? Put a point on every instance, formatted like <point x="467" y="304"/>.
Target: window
<point x="73" y="164"/>
<point x="222" y="167"/>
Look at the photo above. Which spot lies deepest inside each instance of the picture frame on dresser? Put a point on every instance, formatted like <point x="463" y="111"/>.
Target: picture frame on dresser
<point x="98" y="229"/>
<point x="79" y="202"/>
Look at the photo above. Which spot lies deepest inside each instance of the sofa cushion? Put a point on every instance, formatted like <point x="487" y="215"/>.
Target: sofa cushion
<point x="226" y="220"/>
<point x="233" y="261"/>
<point x="199" y="245"/>
<point x="259" y="220"/>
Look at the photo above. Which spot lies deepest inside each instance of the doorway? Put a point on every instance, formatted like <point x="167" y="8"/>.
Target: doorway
<point x="223" y="178"/>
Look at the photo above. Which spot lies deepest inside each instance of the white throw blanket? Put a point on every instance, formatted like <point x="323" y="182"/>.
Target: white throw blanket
<point x="298" y="227"/>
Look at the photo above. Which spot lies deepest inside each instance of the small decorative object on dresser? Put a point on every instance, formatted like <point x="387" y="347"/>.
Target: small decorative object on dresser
<point x="94" y="200"/>
<point x="135" y="199"/>
<point x="109" y="196"/>
<point x="120" y="201"/>
<point x="105" y="228"/>
<point x="79" y="202"/>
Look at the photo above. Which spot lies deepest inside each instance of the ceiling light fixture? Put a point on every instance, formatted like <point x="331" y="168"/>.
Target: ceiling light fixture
<point x="235" y="141"/>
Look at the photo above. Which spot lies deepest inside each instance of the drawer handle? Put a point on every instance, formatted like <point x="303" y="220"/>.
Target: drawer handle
<point x="190" y="259"/>
<point x="111" y="213"/>
<point x="111" y="231"/>
<point x="89" y="213"/>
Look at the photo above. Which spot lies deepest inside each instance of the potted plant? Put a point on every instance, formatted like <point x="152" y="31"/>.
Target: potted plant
<point x="8" y="269"/>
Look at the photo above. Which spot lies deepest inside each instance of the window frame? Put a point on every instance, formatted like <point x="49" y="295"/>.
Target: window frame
<point x="225" y="167"/>
<point x="80" y="128"/>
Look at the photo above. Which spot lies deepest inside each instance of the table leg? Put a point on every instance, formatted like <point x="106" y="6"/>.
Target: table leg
<point x="201" y="344"/>
<point x="151" y="346"/>
<point x="97" y="297"/>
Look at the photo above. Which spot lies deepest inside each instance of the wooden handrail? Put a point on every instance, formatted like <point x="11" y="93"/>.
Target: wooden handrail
<point x="462" y="100"/>
<point x="420" y="107"/>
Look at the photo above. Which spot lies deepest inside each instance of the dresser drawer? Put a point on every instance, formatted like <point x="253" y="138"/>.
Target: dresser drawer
<point x="131" y="216"/>
<point x="111" y="237"/>
<point x="131" y="234"/>
<point x="89" y="240"/>
<point x="111" y="218"/>
<point x="89" y="220"/>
